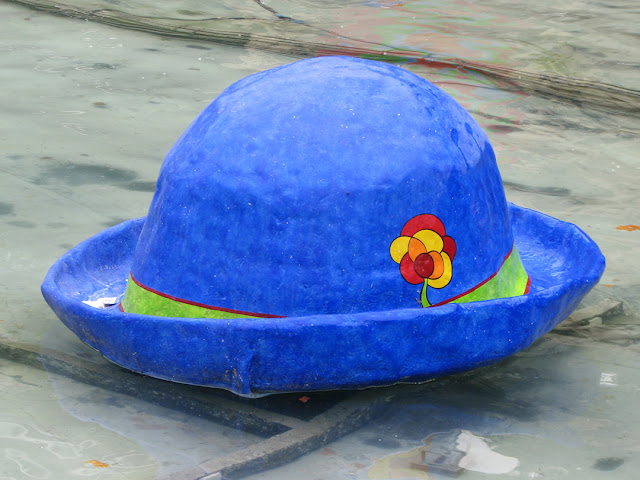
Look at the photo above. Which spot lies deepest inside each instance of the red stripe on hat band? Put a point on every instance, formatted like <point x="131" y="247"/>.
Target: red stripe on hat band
<point x="452" y="299"/>
<point x="202" y="305"/>
<point x="267" y="315"/>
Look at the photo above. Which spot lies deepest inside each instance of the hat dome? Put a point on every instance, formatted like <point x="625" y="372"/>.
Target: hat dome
<point x="330" y="185"/>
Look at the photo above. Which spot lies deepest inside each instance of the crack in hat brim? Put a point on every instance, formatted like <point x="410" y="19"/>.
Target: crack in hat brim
<point x="323" y="352"/>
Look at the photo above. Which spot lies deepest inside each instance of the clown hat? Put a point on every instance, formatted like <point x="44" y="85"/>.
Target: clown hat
<point x="332" y="223"/>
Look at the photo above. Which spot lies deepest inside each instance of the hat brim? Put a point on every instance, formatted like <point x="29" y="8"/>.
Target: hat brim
<point x="323" y="352"/>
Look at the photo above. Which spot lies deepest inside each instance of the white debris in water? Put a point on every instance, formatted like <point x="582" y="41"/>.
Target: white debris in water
<point x="103" y="302"/>
<point x="480" y="458"/>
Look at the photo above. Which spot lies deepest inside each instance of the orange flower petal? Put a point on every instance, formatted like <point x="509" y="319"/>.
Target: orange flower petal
<point x="416" y="247"/>
<point x="438" y="265"/>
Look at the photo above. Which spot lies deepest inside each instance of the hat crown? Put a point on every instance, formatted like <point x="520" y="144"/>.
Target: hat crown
<point x="307" y="189"/>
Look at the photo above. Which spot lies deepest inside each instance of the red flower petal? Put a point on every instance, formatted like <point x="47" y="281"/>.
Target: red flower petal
<point x="424" y="265"/>
<point x="449" y="247"/>
<point x="408" y="271"/>
<point x="426" y="221"/>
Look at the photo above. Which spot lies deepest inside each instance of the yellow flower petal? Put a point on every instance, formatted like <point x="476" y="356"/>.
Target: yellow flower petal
<point x="399" y="248"/>
<point x="431" y="240"/>
<point x="445" y="278"/>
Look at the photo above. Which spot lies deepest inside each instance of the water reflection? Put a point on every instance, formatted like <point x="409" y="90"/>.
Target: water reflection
<point x="155" y="429"/>
<point x="538" y="414"/>
<point x="535" y="410"/>
<point x="6" y="208"/>
<point x="74" y="174"/>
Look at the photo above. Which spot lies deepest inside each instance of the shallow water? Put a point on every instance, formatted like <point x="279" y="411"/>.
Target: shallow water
<point x="89" y="111"/>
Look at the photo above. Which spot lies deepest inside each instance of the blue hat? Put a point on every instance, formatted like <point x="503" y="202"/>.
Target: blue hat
<point x="332" y="223"/>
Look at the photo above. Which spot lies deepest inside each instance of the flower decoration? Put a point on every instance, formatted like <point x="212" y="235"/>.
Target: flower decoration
<point x="425" y="253"/>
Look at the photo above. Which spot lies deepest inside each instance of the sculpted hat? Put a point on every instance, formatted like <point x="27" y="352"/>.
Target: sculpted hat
<point x="332" y="223"/>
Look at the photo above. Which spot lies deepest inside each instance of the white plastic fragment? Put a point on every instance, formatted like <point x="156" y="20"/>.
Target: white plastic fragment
<point x="480" y="458"/>
<point x="101" y="303"/>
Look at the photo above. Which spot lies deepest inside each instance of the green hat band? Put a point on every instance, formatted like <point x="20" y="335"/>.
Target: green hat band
<point x="143" y="300"/>
<point x="510" y="280"/>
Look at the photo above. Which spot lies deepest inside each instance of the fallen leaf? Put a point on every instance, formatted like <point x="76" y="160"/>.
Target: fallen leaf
<point x="97" y="463"/>
<point x="304" y="399"/>
<point x="628" y="228"/>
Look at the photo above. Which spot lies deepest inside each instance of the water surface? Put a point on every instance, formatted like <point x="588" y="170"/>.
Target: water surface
<point x="89" y="110"/>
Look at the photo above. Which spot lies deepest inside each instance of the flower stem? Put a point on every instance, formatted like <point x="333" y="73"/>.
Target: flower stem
<point x="423" y="296"/>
